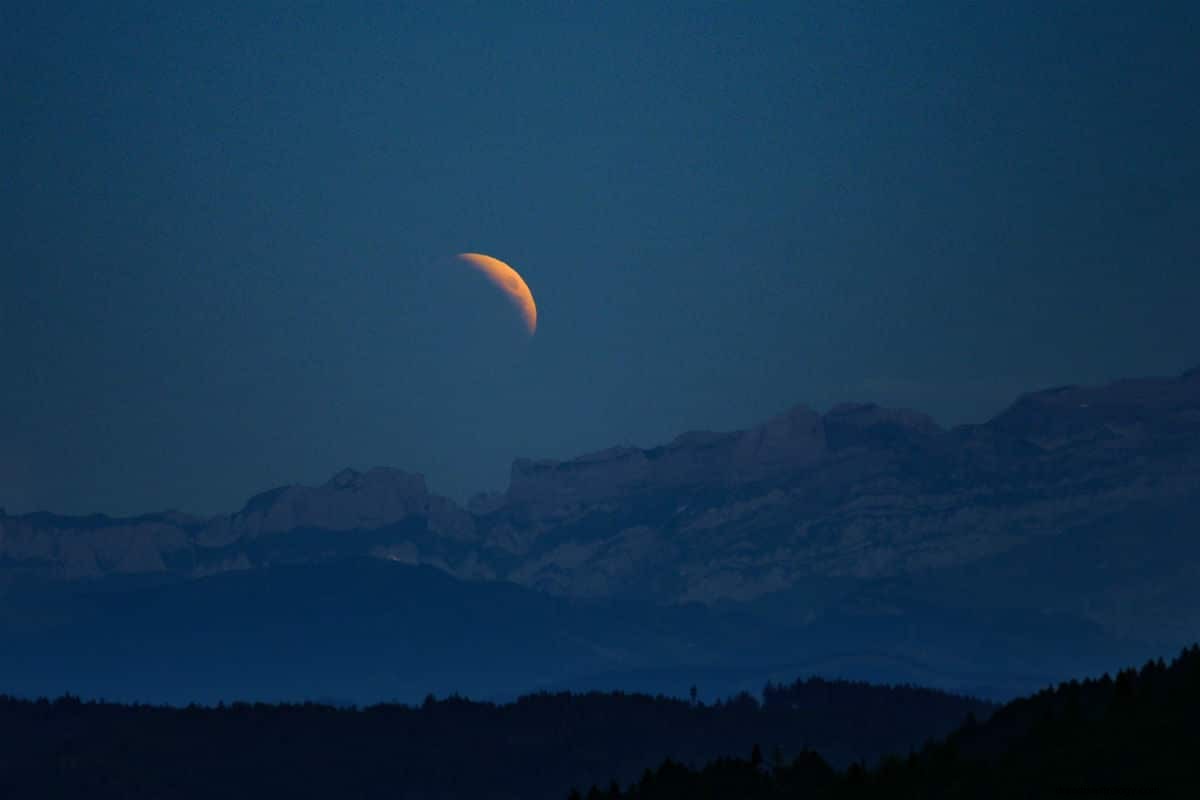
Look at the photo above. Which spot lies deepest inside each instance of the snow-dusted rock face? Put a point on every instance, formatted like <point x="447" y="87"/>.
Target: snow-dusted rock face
<point x="547" y="490"/>
<point x="860" y="493"/>
<point x="354" y="512"/>
<point x="67" y="548"/>
<point x="352" y="500"/>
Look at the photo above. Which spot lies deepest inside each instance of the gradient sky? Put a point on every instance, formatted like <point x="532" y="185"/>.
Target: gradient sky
<point x="227" y="230"/>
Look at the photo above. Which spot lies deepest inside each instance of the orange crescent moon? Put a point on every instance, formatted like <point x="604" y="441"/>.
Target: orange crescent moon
<point x="508" y="281"/>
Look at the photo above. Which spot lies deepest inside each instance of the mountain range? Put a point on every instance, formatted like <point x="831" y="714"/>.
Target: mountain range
<point x="1061" y="536"/>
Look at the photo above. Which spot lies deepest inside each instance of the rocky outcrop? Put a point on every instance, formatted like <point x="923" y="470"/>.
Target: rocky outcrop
<point x="544" y="491"/>
<point x="859" y="494"/>
<point x="350" y="500"/>
<point x="382" y="511"/>
<point x="45" y="546"/>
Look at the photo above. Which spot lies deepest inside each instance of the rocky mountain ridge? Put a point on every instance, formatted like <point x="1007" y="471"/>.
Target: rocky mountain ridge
<point x="858" y="494"/>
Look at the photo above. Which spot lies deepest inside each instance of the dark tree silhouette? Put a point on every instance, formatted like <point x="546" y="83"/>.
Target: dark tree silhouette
<point x="1132" y="737"/>
<point x="535" y="747"/>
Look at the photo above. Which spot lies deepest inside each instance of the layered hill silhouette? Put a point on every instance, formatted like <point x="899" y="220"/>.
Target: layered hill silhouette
<point x="1059" y="537"/>
<point x="1131" y="737"/>
<point x="1134" y="735"/>
<point x="536" y="747"/>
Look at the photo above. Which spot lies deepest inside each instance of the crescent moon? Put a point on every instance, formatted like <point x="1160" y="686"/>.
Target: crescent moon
<point x="508" y="281"/>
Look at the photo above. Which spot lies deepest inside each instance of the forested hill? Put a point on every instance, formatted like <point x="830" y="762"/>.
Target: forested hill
<point x="1135" y="736"/>
<point x="536" y="747"/>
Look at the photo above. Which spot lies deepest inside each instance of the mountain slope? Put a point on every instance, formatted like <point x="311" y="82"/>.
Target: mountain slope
<point x="357" y="629"/>
<point x="1059" y="537"/>
<point x="859" y="492"/>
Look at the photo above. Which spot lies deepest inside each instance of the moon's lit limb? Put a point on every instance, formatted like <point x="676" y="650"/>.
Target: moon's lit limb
<point x="509" y="282"/>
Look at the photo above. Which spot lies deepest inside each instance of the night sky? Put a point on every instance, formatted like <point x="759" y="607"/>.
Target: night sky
<point x="227" y="232"/>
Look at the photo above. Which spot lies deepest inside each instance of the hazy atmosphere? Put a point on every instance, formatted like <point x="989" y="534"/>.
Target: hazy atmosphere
<point x="599" y="401"/>
<point x="227" y="232"/>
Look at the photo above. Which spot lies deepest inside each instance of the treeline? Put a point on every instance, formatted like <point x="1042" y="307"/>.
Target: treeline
<point x="1133" y="736"/>
<point x="538" y="746"/>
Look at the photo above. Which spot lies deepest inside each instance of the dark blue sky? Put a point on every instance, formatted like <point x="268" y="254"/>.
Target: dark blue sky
<point x="227" y="232"/>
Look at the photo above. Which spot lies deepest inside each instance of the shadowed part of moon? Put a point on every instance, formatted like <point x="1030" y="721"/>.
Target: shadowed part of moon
<point x="509" y="282"/>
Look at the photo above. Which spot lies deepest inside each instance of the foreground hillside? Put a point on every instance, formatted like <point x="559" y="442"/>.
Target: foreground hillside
<point x="536" y="747"/>
<point x="1132" y="737"/>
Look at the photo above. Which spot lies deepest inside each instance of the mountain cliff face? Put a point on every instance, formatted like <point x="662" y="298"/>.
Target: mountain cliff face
<point x="859" y="493"/>
<point x="858" y="497"/>
<point x="386" y="513"/>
